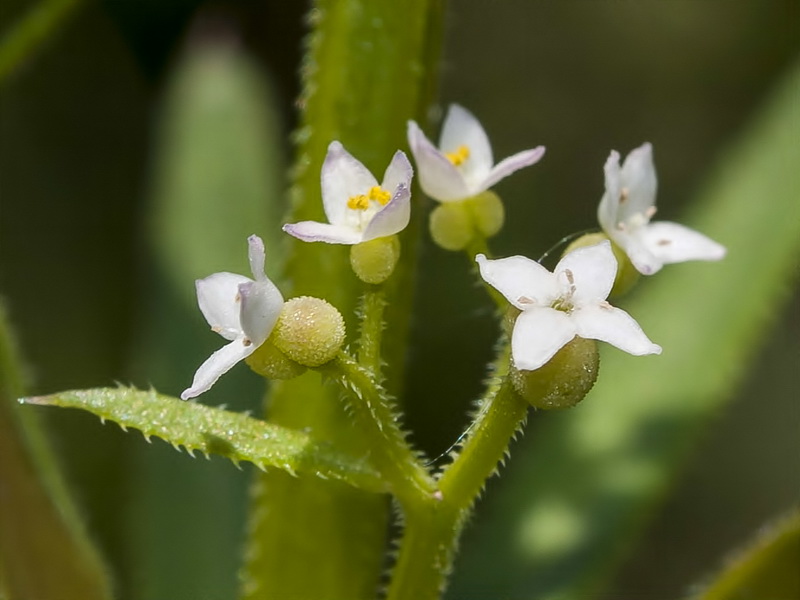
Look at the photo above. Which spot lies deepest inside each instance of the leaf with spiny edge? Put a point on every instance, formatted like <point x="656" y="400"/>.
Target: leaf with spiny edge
<point x="210" y="430"/>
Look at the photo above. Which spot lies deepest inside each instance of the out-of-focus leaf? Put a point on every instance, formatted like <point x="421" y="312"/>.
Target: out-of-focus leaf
<point x="219" y="176"/>
<point x="220" y="172"/>
<point x="215" y="431"/>
<point x="589" y="478"/>
<point x="39" y="524"/>
<point x="370" y="67"/>
<point x="767" y="568"/>
<point x="31" y="32"/>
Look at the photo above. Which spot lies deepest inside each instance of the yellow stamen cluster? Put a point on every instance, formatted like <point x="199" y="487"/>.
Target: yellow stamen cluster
<point x="360" y="202"/>
<point x="376" y="194"/>
<point x="459" y="156"/>
<point x="379" y="195"/>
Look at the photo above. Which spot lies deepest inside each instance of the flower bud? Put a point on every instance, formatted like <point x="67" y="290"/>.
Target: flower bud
<point x="488" y="213"/>
<point x="451" y="225"/>
<point x="271" y="363"/>
<point x="309" y="331"/>
<point x="375" y="260"/>
<point x="564" y="380"/>
<point x="627" y="275"/>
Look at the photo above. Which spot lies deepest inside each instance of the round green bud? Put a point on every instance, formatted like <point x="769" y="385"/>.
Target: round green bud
<point x="309" y="331"/>
<point x="564" y="380"/>
<point x="375" y="260"/>
<point x="488" y="212"/>
<point x="271" y="363"/>
<point x="451" y="225"/>
<point x="627" y="275"/>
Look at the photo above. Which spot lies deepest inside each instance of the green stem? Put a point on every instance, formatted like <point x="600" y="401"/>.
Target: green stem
<point x="498" y="419"/>
<point x="480" y="245"/>
<point x="434" y="526"/>
<point x="426" y="553"/>
<point x="373" y="304"/>
<point x="377" y="420"/>
<point x="32" y="31"/>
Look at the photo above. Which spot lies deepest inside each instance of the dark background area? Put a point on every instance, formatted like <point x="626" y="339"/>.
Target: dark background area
<point x="77" y="126"/>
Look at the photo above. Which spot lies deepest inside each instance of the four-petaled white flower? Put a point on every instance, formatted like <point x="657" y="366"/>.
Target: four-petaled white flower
<point x="358" y="209"/>
<point x="560" y="305"/>
<point x="462" y="166"/>
<point x="627" y="207"/>
<point x="241" y="310"/>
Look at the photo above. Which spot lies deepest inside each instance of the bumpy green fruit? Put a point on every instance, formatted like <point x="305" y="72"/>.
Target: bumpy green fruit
<point x="374" y="261"/>
<point x="451" y="225"/>
<point x="564" y="380"/>
<point x="309" y="331"/>
<point x="271" y="363"/>
<point x="488" y="212"/>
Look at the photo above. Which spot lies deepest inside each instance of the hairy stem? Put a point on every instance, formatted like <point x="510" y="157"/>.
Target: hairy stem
<point x="377" y="420"/>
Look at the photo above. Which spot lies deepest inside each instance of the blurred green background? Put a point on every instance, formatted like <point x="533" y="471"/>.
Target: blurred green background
<point x="95" y="129"/>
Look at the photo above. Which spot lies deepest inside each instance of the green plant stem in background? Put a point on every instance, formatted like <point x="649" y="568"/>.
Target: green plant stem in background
<point x="373" y="304"/>
<point x="32" y="31"/>
<point x="44" y="549"/>
<point x="371" y="66"/>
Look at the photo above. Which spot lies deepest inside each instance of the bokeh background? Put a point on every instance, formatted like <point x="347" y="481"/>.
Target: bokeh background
<point x="94" y="131"/>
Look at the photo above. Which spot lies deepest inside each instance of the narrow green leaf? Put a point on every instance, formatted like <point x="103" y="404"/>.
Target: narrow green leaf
<point x="370" y="67"/>
<point x="766" y="568"/>
<point x="31" y="32"/>
<point x="591" y="476"/>
<point x="39" y="524"/>
<point x="212" y="430"/>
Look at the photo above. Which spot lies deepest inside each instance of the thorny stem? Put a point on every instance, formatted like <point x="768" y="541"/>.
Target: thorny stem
<point x="376" y="416"/>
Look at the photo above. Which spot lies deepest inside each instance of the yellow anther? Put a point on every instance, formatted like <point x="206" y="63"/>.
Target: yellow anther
<point x="380" y="195"/>
<point x="459" y="156"/>
<point x="360" y="202"/>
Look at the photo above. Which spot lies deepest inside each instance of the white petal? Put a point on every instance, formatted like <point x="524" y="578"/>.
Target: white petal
<point x="392" y="218"/>
<point x="399" y="172"/>
<point x="256" y="254"/>
<point x="673" y="243"/>
<point x="639" y="180"/>
<point x="260" y="306"/>
<point x="592" y="269"/>
<point x="609" y="204"/>
<point x="524" y="282"/>
<point x="342" y="178"/>
<point x="461" y="128"/>
<point x="218" y="298"/>
<point x="311" y="231"/>
<point x="438" y="177"/>
<point x="507" y="166"/>
<point x="608" y="324"/>
<point x="538" y="334"/>
<point x="638" y="252"/>
<point x="217" y="365"/>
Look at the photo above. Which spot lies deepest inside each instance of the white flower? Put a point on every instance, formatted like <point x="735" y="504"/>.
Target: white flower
<point x="627" y="207"/>
<point x="358" y="209"/>
<point x="560" y="305"/>
<point x="241" y="310"/>
<point x="462" y="166"/>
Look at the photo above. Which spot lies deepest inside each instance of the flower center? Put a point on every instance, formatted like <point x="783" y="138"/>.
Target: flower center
<point x="564" y="302"/>
<point x="375" y="194"/>
<point x="458" y="156"/>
